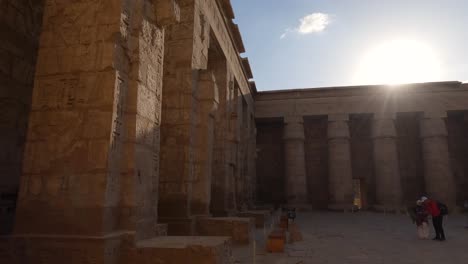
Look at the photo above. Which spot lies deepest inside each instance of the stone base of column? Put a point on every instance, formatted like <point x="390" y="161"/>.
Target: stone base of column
<point x="341" y="207"/>
<point x="57" y="249"/>
<point x="182" y="249"/>
<point x="300" y="207"/>
<point x="240" y="229"/>
<point x="179" y="226"/>
<point x="261" y="217"/>
<point x="388" y="209"/>
<point x="114" y="248"/>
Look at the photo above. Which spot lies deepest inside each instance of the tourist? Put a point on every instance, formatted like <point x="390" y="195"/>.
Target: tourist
<point x="421" y="220"/>
<point x="432" y="208"/>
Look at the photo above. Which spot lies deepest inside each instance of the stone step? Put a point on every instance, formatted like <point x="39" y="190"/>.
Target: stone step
<point x="183" y="249"/>
<point x="240" y="229"/>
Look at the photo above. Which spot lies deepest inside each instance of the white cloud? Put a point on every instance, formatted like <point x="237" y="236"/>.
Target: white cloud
<point x="313" y="23"/>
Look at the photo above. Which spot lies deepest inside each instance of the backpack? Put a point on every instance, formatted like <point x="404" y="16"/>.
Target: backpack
<point x="443" y="208"/>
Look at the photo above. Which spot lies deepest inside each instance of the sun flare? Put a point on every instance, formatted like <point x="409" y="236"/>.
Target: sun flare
<point x="399" y="61"/>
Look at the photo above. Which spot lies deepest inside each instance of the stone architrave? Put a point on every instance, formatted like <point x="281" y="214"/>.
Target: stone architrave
<point x="296" y="182"/>
<point x="438" y="176"/>
<point x="339" y="163"/>
<point x="388" y="183"/>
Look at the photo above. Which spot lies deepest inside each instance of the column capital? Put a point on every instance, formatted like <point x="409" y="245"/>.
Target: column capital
<point x="432" y="124"/>
<point x="434" y="115"/>
<point x="293" y="119"/>
<point x="294" y="128"/>
<point x="383" y="126"/>
<point x="338" y="127"/>
<point x="384" y="116"/>
<point x="338" y="117"/>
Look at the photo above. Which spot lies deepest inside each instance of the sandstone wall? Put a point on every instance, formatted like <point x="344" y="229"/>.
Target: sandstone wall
<point x="20" y="24"/>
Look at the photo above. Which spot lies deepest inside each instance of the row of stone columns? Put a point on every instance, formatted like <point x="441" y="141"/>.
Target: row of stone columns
<point x="438" y="177"/>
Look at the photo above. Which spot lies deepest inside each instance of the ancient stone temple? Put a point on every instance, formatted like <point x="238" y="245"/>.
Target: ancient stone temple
<point x="132" y="132"/>
<point x="383" y="145"/>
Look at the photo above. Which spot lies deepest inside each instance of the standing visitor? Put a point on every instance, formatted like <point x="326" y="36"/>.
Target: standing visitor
<point x="432" y="208"/>
<point x="421" y="220"/>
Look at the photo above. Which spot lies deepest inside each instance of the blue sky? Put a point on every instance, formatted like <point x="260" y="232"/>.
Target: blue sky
<point x="337" y="35"/>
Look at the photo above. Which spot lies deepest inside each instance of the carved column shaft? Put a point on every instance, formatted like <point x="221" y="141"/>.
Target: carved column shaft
<point x="438" y="175"/>
<point x="388" y="182"/>
<point x="296" y="183"/>
<point x="339" y="163"/>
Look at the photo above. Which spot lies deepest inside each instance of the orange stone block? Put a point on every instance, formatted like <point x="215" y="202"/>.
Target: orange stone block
<point x="276" y="241"/>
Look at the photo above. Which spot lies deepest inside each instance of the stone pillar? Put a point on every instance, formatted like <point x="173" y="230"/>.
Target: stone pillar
<point x="339" y="163"/>
<point x="296" y="177"/>
<point x="92" y="130"/>
<point x="387" y="172"/>
<point x="186" y="50"/>
<point x="438" y="176"/>
<point x="208" y="104"/>
<point x="219" y="194"/>
<point x="232" y="146"/>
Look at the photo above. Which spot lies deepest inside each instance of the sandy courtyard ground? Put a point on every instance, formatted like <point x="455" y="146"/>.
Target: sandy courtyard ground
<point x="346" y="238"/>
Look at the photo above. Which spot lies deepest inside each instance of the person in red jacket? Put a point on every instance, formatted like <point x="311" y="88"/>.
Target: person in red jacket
<point x="437" y="218"/>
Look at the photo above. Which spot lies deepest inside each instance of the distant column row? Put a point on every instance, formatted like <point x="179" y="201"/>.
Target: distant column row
<point x="438" y="178"/>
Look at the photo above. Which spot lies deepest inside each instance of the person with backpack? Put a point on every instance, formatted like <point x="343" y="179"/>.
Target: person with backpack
<point x="435" y="211"/>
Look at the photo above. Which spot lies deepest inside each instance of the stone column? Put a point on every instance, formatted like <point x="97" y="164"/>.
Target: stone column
<point x="387" y="175"/>
<point x="296" y="182"/>
<point x="208" y="103"/>
<point x="219" y="192"/>
<point x="339" y="163"/>
<point x="186" y="49"/>
<point x="438" y="175"/>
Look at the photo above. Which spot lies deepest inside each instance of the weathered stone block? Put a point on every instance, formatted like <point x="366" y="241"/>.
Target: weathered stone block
<point x="261" y="217"/>
<point x="241" y="230"/>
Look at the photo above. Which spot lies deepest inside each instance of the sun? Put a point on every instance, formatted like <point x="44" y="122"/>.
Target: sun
<point x="397" y="62"/>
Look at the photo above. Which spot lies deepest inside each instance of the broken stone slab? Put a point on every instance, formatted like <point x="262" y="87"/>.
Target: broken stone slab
<point x="240" y="229"/>
<point x="261" y="216"/>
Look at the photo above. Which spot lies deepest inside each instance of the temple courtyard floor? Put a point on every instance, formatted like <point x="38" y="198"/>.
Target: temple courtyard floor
<point x="363" y="237"/>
